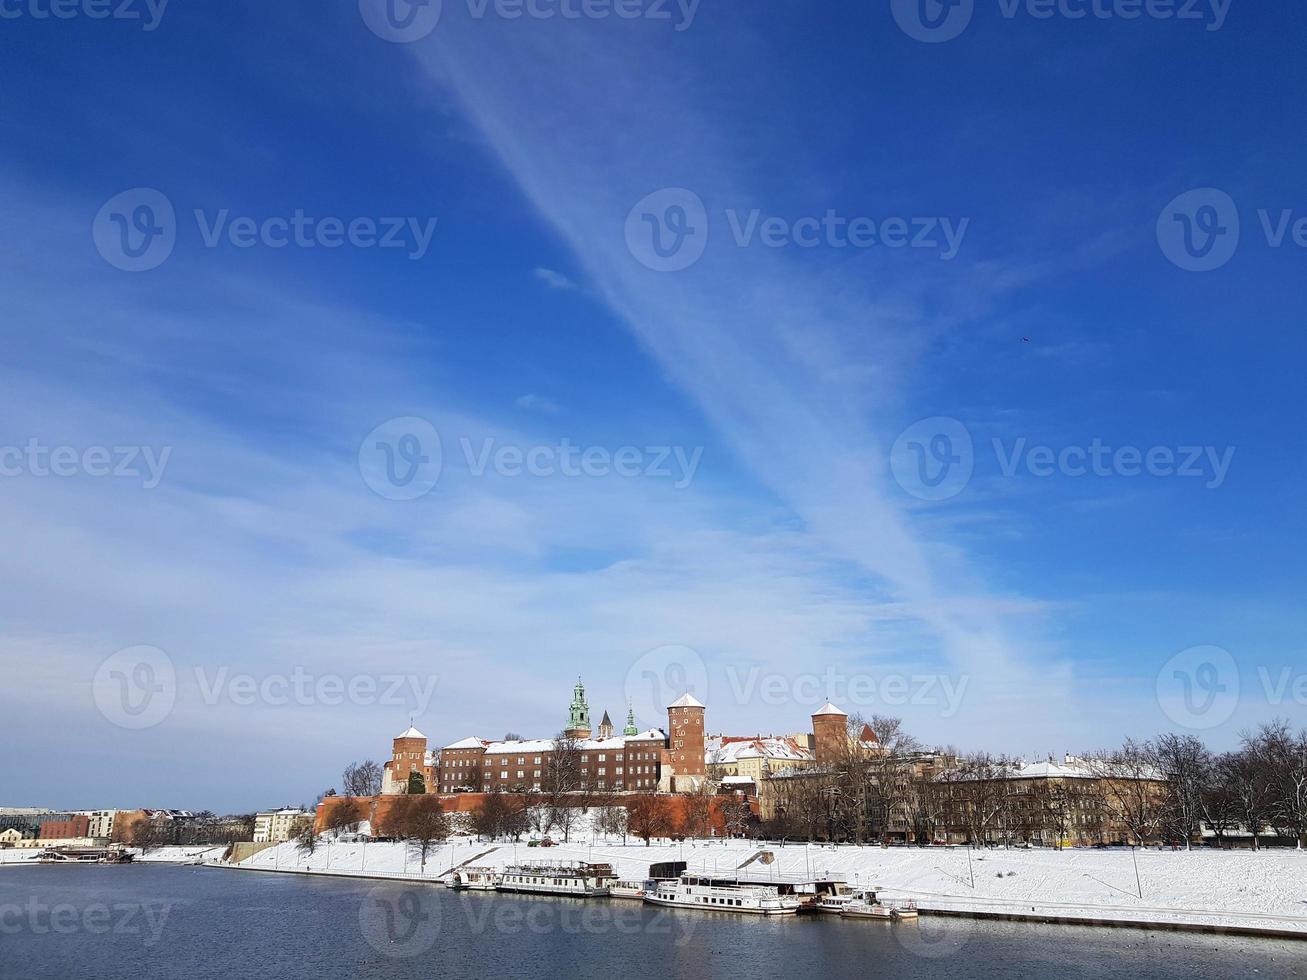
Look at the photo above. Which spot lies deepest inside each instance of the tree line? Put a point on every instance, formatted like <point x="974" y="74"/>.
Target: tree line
<point x="1171" y="788"/>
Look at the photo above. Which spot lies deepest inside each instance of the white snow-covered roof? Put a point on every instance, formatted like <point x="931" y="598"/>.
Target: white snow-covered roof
<point x="736" y="780"/>
<point x="471" y="742"/>
<point x="411" y="733"/>
<point x="829" y="709"/>
<point x="779" y="749"/>
<point x="686" y="700"/>
<point x="537" y="745"/>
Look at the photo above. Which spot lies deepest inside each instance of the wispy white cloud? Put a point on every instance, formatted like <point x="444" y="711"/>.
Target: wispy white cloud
<point x="552" y="279"/>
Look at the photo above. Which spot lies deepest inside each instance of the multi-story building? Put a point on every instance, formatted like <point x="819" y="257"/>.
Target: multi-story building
<point x="278" y="825"/>
<point x="755" y="759"/>
<point x="75" y="826"/>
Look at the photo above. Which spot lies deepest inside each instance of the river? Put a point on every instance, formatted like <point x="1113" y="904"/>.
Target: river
<point x="163" y="922"/>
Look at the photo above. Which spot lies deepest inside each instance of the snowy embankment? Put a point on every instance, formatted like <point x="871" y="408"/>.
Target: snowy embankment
<point x="1201" y="889"/>
<point x="159" y="855"/>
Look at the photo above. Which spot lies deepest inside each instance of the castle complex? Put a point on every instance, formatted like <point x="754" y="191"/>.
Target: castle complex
<point x="682" y="758"/>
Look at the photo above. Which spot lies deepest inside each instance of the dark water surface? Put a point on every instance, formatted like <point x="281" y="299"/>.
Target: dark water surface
<point x="159" y="923"/>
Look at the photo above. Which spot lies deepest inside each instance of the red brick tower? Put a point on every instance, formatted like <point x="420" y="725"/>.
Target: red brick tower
<point x="830" y="734"/>
<point x="685" y="738"/>
<point x="408" y="754"/>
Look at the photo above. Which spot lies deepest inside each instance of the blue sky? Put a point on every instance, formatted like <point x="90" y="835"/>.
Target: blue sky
<point x="787" y="363"/>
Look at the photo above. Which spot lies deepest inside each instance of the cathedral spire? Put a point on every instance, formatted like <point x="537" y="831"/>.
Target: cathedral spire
<point x="630" y="728"/>
<point x="578" y="722"/>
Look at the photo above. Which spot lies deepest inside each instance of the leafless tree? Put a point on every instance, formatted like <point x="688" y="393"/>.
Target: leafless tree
<point x="346" y="813"/>
<point x="648" y="816"/>
<point x="305" y="835"/>
<point x="1187" y="765"/>
<point x="361" y="779"/>
<point x="1131" y="786"/>
<point x="423" y="823"/>
<point x="1245" y="775"/>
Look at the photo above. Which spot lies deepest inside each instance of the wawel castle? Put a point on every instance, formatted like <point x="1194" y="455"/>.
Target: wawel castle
<point x="678" y="759"/>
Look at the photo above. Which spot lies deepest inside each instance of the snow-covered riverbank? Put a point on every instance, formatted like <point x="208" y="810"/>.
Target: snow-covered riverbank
<point x="1202" y="889"/>
<point x="18" y="857"/>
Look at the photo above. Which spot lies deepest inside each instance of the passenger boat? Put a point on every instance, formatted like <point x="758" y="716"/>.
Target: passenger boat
<point x="713" y="893"/>
<point x="868" y="906"/>
<point x="84" y="855"/>
<point x="833" y="902"/>
<point x="575" y="878"/>
<point x="629" y="889"/>
<point x="474" y="879"/>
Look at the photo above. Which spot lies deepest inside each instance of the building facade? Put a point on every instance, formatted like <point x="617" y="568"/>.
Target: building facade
<point x="274" y="826"/>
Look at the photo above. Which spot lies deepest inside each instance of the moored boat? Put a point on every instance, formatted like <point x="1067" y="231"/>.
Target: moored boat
<point x="629" y="889"/>
<point x="869" y="906"/>
<point x="574" y="878"/>
<point x="475" y="879"/>
<point x="714" y="893"/>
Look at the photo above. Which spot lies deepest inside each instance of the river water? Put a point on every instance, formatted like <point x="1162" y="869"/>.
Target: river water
<point x="160" y="923"/>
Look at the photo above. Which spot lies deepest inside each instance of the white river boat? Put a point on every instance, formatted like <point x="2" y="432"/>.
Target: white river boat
<point x="715" y="893"/>
<point x="474" y="879"/>
<point x="869" y="906"/>
<point x="573" y="878"/>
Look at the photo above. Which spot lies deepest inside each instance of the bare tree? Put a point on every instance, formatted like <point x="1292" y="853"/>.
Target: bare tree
<point x="1245" y="775"/>
<point x="1133" y="788"/>
<point x="1285" y="755"/>
<point x="361" y="779"/>
<point x="305" y="835"/>
<point x="423" y="823"/>
<point x="648" y="816"/>
<point x="696" y="816"/>
<point x="1187" y="766"/>
<point x="346" y="813"/>
<point x="563" y="781"/>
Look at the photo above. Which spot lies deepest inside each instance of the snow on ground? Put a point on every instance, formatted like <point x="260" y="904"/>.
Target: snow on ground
<point x="160" y="855"/>
<point x="1252" y="890"/>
